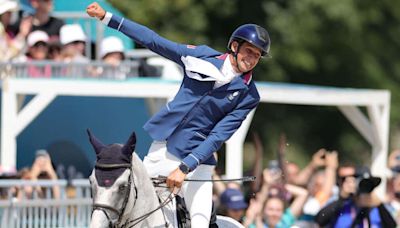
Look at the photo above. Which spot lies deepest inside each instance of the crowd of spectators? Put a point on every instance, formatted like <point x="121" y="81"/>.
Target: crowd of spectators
<point x="43" y="46"/>
<point x="42" y="168"/>
<point x="324" y="193"/>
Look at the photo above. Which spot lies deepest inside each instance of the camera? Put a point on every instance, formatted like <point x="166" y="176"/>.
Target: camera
<point x="366" y="183"/>
<point x="274" y="167"/>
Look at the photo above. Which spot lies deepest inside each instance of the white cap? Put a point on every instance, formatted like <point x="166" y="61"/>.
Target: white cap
<point x="70" y="33"/>
<point x="8" y="5"/>
<point x="111" y="44"/>
<point x="37" y="36"/>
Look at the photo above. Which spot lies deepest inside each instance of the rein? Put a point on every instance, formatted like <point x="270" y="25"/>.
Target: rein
<point x="143" y="217"/>
<point x="157" y="181"/>
<point x="162" y="180"/>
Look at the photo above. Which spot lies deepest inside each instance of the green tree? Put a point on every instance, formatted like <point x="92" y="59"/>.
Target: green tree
<point x="344" y="43"/>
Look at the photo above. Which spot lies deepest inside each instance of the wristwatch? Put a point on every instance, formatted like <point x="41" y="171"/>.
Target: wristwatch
<point x="184" y="168"/>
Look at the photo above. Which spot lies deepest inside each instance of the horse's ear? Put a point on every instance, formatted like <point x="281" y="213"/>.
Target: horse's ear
<point x="97" y="145"/>
<point x="130" y="145"/>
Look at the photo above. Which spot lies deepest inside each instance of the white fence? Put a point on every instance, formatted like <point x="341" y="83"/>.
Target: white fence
<point x="31" y="203"/>
<point x="52" y="69"/>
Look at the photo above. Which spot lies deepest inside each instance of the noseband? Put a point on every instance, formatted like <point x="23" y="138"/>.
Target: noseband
<point x="105" y="207"/>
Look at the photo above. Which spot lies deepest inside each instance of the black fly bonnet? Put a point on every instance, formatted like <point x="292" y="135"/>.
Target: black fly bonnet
<point x="112" y="160"/>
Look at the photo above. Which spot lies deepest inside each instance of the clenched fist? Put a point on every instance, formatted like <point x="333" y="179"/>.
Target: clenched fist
<point x="95" y="10"/>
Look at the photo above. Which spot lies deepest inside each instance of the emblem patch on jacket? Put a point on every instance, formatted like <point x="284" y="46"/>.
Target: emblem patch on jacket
<point x="233" y="95"/>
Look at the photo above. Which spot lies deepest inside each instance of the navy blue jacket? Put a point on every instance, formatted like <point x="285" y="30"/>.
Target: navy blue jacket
<point x="200" y="118"/>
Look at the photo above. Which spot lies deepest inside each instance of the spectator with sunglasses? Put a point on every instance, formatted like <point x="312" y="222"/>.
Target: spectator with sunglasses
<point x="357" y="205"/>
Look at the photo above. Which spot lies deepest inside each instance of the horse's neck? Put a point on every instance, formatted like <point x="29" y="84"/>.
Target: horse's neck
<point x="147" y="199"/>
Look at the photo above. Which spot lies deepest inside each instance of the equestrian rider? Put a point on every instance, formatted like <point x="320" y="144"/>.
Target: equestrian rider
<point x="216" y="94"/>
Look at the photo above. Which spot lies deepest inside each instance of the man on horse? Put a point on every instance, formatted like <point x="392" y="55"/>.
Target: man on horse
<point x="216" y="94"/>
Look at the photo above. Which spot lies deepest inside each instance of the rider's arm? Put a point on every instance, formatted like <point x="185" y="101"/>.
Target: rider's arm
<point x="151" y="40"/>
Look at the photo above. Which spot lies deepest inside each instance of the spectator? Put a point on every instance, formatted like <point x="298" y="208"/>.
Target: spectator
<point x="394" y="161"/>
<point x="320" y="187"/>
<point x="292" y="172"/>
<point x="37" y="51"/>
<point x="394" y="197"/>
<point x="112" y="54"/>
<point x="55" y="52"/>
<point x="275" y="214"/>
<point x="357" y="205"/>
<point x="73" y="41"/>
<point x="232" y="204"/>
<point x="11" y="45"/>
<point x="112" y="50"/>
<point x="42" y="168"/>
<point x="42" y="20"/>
<point x="26" y="191"/>
<point x="269" y="209"/>
<point x="304" y="176"/>
<point x="37" y="45"/>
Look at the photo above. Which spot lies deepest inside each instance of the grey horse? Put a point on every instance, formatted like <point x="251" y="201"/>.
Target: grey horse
<point x="123" y="193"/>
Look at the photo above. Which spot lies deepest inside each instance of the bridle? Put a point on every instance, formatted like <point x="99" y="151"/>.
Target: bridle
<point x="131" y="223"/>
<point x="105" y="207"/>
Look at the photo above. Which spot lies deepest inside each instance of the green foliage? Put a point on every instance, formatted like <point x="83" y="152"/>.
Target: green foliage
<point x="345" y="43"/>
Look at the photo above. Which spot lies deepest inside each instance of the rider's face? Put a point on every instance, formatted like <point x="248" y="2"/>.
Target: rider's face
<point x="247" y="56"/>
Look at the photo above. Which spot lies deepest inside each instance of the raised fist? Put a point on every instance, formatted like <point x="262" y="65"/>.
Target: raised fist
<point x="95" y="10"/>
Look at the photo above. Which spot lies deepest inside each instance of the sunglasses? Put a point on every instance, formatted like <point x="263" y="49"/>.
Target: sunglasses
<point x="343" y="178"/>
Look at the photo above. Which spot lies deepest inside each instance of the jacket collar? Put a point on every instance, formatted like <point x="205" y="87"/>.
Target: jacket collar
<point x="247" y="77"/>
<point x="236" y="84"/>
<point x="241" y="82"/>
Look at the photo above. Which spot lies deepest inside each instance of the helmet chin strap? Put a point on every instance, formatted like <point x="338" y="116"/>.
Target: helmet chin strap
<point x="235" y="54"/>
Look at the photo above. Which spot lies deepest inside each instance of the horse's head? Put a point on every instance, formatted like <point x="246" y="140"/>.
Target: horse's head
<point x="111" y="181"/>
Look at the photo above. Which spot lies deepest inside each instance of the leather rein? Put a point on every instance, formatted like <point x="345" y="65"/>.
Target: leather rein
<point x="157" y="181"/>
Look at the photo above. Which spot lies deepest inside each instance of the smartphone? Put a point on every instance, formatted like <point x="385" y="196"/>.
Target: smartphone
<point x="274" y="167"/>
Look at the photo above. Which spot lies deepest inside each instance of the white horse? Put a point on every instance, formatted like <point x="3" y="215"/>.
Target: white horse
<point x="123" y="193"/>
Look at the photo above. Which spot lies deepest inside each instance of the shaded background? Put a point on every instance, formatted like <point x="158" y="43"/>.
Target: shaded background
<point x="344" y="43"/>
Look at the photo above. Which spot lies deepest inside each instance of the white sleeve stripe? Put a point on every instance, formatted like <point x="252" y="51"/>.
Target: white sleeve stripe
<point x="120" y="24"/>
<point x="197" y="160"/>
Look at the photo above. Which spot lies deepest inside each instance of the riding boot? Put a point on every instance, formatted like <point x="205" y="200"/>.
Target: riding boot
<point x="182" y="213"/>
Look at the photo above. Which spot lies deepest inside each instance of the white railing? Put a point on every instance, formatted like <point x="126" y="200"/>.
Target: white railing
<point x="52" y="69"/>
<point x="22" y="204"/>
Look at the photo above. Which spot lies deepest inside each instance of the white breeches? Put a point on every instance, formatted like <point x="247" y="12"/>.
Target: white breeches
<point x="197" y="195"/>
